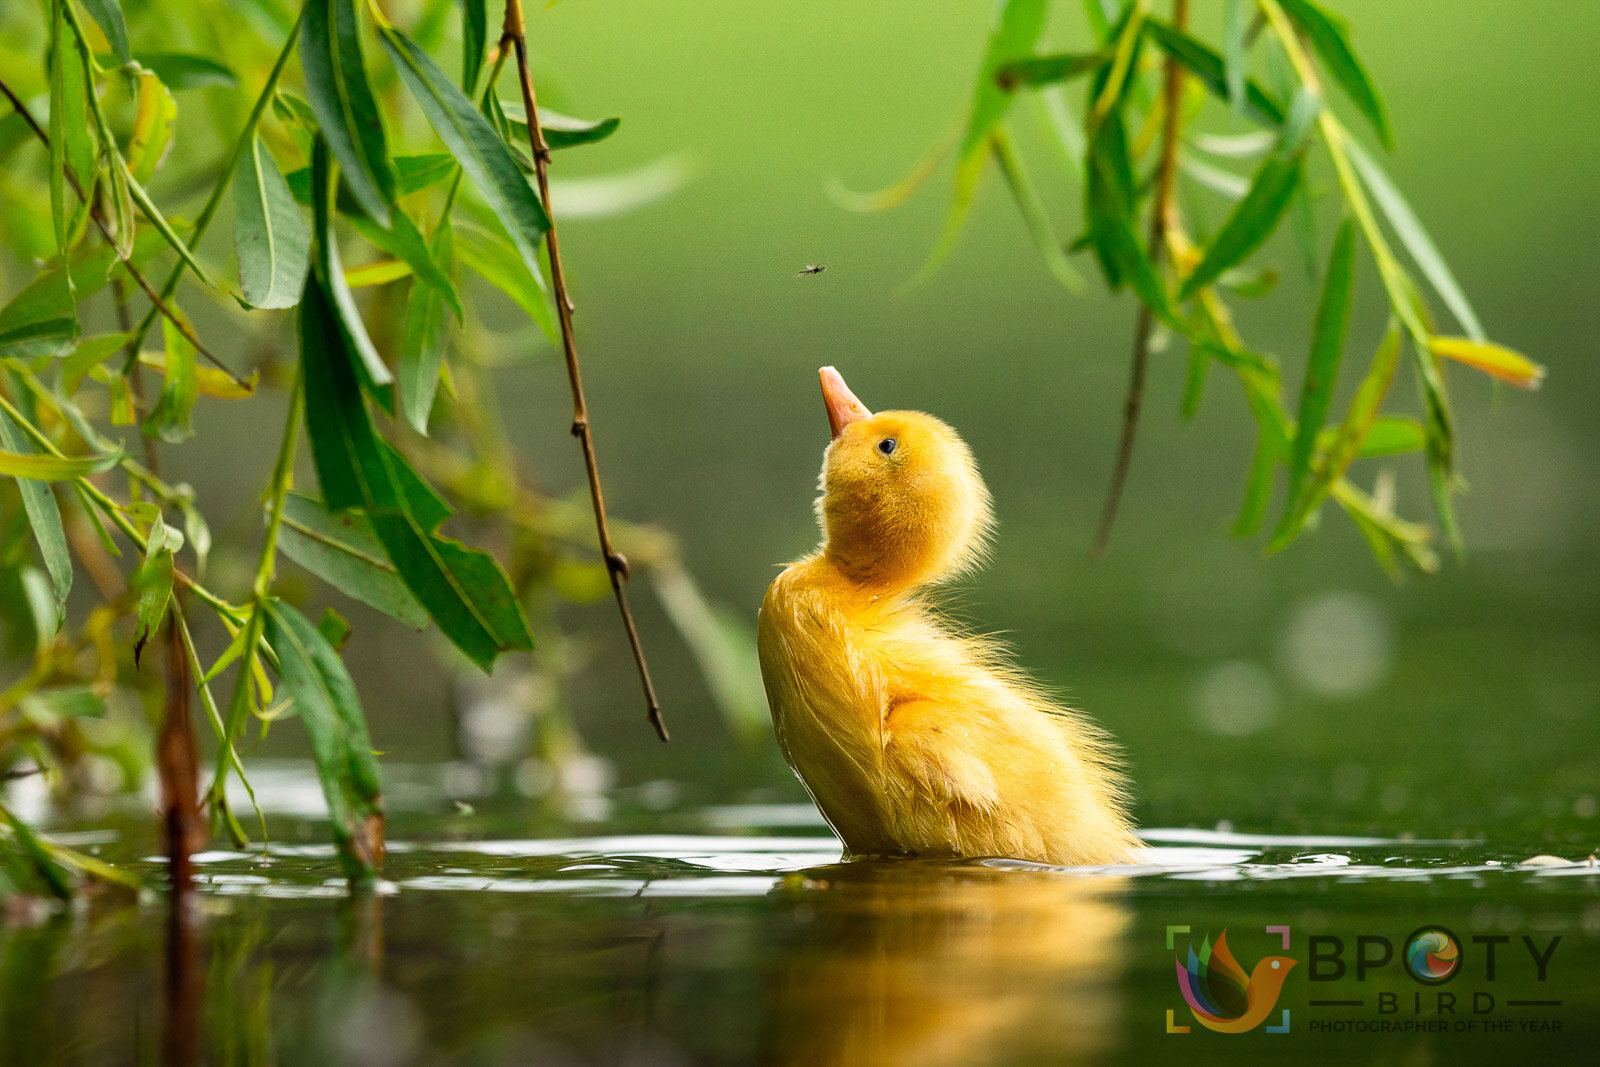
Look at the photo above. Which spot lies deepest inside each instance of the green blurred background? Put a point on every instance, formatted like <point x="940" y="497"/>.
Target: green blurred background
<point x="1299" y="693"/>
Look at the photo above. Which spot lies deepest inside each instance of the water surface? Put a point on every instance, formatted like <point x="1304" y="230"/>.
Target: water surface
<point x="734" y="933"/>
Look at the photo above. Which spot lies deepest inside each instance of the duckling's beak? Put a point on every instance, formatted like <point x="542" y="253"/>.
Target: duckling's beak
<point x="843" y="407"/>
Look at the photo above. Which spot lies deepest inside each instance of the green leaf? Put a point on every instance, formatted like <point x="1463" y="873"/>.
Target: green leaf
<point x="1393" y="435"/>
<point x="342" y="550"/>
<point x="327" y="703"/>
<point x="151" y="582"/>
<point x="1035" y="71"/>
<point x="560" y="131"/>
<point x="107" y="14"/>
<point x="1352" y="436"/>
<point x="1109" y="193"/>
<point x="1250" y="224"/>
<point x="1412" y="234"/>
<point x="69" y="129"/>
<point x="413" y="173"/>
<point x="1205" y="64"/>
<point x="1234" y="27"/>
<point x="1322" y="370"/>
<point x="1017" y="26"/>
<point x="405" y="242"/>
<point x="272" y="238"/>
<point x="464" y="591"/>
<point x="44" y="518"/>
<point x="170" y="418"/>
<point x="474" y="43"/>
<point x="186" y="70"/>
<point x="55" y="468"/>
<point x="483" y="156"/>
<point x="1033" y="210"/>
<point x="491" y="256"/>
<point x="1272" y="445"/>
<point x="1331" y="38"/>
<point x="330" y="273"/>
<point x="422" y="351"/>
<point x="347" y="113"/>
<point x="38" y="861"/>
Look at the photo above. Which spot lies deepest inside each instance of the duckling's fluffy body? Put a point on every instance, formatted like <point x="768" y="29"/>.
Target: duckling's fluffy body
<point x="913" y="739"/>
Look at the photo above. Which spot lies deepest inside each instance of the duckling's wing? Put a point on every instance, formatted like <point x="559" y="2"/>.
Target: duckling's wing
<point x="941" y="793"/>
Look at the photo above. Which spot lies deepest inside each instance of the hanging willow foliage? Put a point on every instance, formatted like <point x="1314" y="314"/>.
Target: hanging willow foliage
<point x="335" y="213"/>
<point x="1133" y="147"/>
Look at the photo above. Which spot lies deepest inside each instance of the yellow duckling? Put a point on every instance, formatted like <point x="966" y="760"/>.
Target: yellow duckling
<point x="911" y="739"/>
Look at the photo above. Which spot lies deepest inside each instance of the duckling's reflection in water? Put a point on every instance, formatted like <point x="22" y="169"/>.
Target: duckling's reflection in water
<point x="928" y="962"/>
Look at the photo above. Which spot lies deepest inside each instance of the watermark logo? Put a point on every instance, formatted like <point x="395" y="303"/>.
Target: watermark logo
<point x="1220" y="994"/>
<point x="1432" y="955"/>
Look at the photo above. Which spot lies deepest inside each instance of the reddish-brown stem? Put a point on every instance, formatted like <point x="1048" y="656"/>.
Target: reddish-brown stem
<point x="1163" y="216"/>
<point x="178" y="765"/>
<point x="616" y="563"/>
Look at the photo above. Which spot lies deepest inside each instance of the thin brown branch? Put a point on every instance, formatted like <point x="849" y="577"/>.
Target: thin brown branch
<point x="1163" y="216"/>
<point x="133" y="272"/>
<point x="616" y="563"/>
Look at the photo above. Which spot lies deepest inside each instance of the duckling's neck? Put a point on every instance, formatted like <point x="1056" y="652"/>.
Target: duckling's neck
<point x="874" y="576"/>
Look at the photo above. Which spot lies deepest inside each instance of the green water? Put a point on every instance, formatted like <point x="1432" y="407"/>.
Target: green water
<point x="671" y="933"/>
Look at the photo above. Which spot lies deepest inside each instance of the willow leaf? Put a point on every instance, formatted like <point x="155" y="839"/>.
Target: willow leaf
<point x="464" y="591"/>
<point x="1249" y="225"/>
<point x="483" y="156"/>
<point x="474" y="43"/>
<point x="1034" y="214"/>
<point x="1322" y="369"/>
<point x="1415" y="237"/>
<point x="342" y="550"/>
<point x="1350" y="439"/>
<point x="330" y="271"/>
<point x="179" y="71"/>
<point x="170" y="419"/>
<point x="1053" y="69"/>
<point x="422" y="351"/>
<point x="327" y="703"/>
<point x="55" y="468"/>
<point x="107" y="14"/>
<point x="1331" y="38"/>
<point x="44" y="519"/>
<point x="1212" y="70"/>
<point x="151" y="582"/>
<point x="560" y="131"/>
<point x="341" y="97"/>
<point x="271" y="236"/>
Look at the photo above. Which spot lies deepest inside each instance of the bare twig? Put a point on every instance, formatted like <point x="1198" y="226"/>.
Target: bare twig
<point x="616" y="564"/>
<point x="133" y="272"/>
<point x="1164" y="215"/>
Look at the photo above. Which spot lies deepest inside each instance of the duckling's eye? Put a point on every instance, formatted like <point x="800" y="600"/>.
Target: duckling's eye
<point x="887" y="445"/>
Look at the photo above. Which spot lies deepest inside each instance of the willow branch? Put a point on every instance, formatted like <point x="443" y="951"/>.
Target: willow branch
<point x="616" y="564"/>
<point x="159" y="305"/>
<point x="1164" y="216"/>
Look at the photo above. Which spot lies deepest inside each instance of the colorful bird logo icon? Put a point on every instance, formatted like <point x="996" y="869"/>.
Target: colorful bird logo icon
<point x="1221" y="996"/>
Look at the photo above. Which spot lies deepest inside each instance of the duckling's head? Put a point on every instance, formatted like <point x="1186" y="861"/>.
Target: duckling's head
<point x="902" y="504"/>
